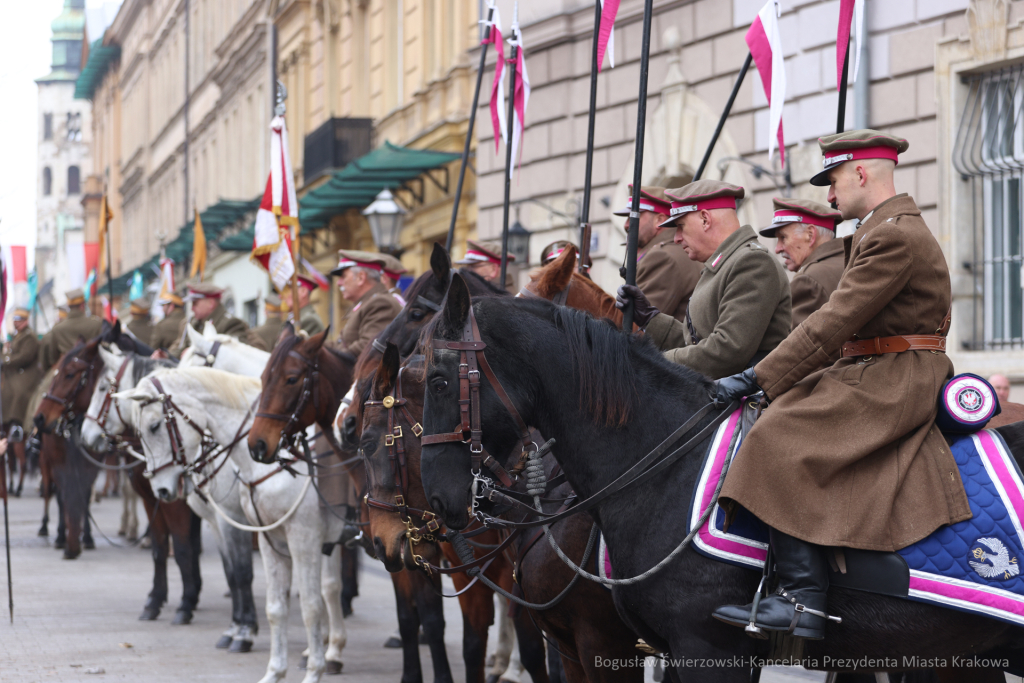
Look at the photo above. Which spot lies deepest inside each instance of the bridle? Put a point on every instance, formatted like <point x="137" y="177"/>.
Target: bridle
<point x="211" y="357"/>
<point x="380" y="344"/>
<point x="108" y="400"/>
<point x="67" y="415"/>
<point x="472" y="363"/>
<point x="558" y="299"/>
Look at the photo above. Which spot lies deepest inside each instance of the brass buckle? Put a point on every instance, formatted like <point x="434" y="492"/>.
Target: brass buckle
<point x="389" y="439"/>
<point x="399" y="500"/>
<point x="417" y="430"/>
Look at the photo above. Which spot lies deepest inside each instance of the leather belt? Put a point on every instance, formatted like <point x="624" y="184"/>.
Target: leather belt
<point x="897" y="344"/>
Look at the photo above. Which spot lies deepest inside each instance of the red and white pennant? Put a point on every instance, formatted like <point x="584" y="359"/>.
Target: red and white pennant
<point x="766" y="49"/>
<point x="278" y="212"/>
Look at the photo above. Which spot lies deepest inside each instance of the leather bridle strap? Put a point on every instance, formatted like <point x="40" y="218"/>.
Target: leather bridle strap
<point x="108" y="399"/>
<point x="65" y="403"/>
<point x="211" y="357"/>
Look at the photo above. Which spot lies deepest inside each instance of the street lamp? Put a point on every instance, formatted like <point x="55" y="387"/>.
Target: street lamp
<point x="386" y="218"/>
<point x="519" y="242"/>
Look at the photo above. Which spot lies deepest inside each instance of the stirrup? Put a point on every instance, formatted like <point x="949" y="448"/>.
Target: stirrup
<point x="800" y="608"/>
<point x="752" y="629"/>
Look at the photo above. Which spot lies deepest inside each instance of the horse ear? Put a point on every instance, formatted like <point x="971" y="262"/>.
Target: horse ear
<point x="209" y="331"/>
<point x="195" y="339"/>
<point x="286" y="331"/>
<point x="440" y="263"/>
<point x="110" y="359"/>
<point x="456" y="308"/>
<point x="115" y="332"/>
<point x="134" y="394"/>
<point x="387" y="371"/>
<point x="317" y="340"/>
<point x="564" y="266"/>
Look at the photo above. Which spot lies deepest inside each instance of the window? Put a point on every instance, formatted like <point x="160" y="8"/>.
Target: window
<point x="74" y="126"/>
<point x="47" y="181"/>
<point x="73" y="180"/>
<point x="47" y="126"/>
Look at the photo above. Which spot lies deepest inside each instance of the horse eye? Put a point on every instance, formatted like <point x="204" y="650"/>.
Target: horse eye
<point x="416" y="315"/>
<point x="70" y="375"/>
<point x="293" y="380"/>
<point x="440" y="385"/>
<point x="154" y="428"/>
<point x="369" y="448"/>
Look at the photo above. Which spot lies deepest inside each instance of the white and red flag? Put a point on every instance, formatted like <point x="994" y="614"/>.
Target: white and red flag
<point x="848" y="10"/>
<point x="521" y="95"/>
<point x="766" y="49"/>
<point x="498" y="121"/>
<point x="278" y="213"/>
<point x="166" y="278"/>
<point x="606" y="34"/>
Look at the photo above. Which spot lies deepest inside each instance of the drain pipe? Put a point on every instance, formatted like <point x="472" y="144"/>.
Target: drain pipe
<point x="862" y="88"/>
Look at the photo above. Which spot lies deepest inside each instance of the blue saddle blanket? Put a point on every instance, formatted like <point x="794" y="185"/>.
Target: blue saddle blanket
<point x="973" y="566"/>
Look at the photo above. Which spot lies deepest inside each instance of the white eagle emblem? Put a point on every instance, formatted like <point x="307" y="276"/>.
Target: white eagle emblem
<point x="1001" y="562"/>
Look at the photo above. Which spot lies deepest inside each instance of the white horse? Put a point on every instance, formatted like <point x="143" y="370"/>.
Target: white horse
<point x="231" y="354"/>
<point x="235" y="545"/>
<point x="288" y="513"/>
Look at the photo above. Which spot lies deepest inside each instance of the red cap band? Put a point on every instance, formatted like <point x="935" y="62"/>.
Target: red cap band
<point x="783" y="216"/>
<point x="880" y="152"/>
<point x="688" y="206"/>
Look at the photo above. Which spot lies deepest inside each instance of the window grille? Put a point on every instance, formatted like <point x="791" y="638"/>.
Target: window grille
<point x="989" y="155"/>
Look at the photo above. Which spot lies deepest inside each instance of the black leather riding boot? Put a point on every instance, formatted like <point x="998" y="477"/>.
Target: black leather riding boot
<point x="798" y="604"/>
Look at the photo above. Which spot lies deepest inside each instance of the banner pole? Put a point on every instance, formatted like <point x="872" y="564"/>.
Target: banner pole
<point x="509" y="161"/>
<point x="841" y="113"/>
<point x="723" y="117"/>
<point x="584" y="250"/>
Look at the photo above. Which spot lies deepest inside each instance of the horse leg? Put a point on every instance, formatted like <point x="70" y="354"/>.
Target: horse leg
<point x="503" y="650"/>
<point x="19" y="455"/>
<point x="531" y="648"/>
<point x="227" y="560"/>
<point x="44" y="529"/>
<point x="159" y="546"/>
<point x="87" y="541"/>
<point x="237" y="555"/>
<point x="185" y="528"/>
<point x="349" y="578"/>
<point x="430" y="607"/>
<point x="304" y="548"/>
<point x="278" y="570"/>
<point x="477" y="616"/>
<point x="330" y="588"/>
<point x="404" y="583"/>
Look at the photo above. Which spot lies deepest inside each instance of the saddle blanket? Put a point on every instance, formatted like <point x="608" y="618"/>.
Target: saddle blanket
<point x="972" y="566"/>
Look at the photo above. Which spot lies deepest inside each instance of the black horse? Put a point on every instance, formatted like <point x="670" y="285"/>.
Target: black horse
<point x="609" y="399"/>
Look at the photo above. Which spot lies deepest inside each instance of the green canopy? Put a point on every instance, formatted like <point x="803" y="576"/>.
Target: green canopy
<point x="100" y="58"/>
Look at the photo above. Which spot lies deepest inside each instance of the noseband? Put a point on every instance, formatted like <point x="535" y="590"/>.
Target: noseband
<point x="67" y="415"/>
<point x="108" y="400"/>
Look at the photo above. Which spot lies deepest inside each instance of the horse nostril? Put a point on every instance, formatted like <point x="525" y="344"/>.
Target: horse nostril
<point x="164" y="494"/>
<point x="378" y="546"/>
<point x="436" y="506"/>
<point x="259" y="450"/>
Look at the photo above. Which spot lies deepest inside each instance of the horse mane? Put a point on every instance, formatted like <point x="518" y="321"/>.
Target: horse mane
<point x="71" y="353"/>
<point x="144" y="365"/>
<point x="232" y="390"/>
<point x="341" y="355"/>
<point x="281" y="350"/>
<point x="478" y="286"/>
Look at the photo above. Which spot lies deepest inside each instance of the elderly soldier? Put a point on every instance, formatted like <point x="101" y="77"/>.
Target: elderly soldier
<point x="393" y="272"/>
<point x="140" y="326"/>
<point x="21" y="375"/>
<point x="167" y="332"/>
<point x="309" y="319"/>
<point x="486" y="263"/>
<point x="664" y="272"/>
<point x="848" y="454"/>
<point x="805" y="232"/>
<point x="265" y="336"/>
<point x="65" y="333"/>
<point x="373" y="307"/>
<point x="740" y="308"/>
<point x="206" y="305"/>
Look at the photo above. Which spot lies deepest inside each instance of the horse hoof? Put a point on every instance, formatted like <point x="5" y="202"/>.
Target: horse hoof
<point x="394" y="643"/>
<point x="182" y="618"/>
<point x="224" y="642"/>
<point x="59" y="544"/>
<point x="240" y="645"/>
<point x="89" y="545"/>
<point x="492" y="678"/>
<point x="333" y="668"/>
<point x="346" y="610"/>
<point x="302" y="663"/>
<point x="43" y="532"/>
<point x="69" y="555"/>
<point x="149" y="614"/>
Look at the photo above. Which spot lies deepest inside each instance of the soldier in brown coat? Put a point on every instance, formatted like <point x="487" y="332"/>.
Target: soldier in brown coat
<point x="167" y="332"/>
<point x="139" y="325"/>
<point x="373" y="306"/>
<point x="740" y="308"/>
<point x="664" y="272"/>
<point x="485" y="261"/>
<point x="66" y="333"/>
<point x="207" y="306"/>
<point x="265" y="336"/>
<point x="805" y="232"/>
<point x="847" y="454"/>
<point x="21" y="373"/>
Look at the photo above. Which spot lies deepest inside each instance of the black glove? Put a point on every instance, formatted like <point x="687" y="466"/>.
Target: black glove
<point x="643" y="311"/>
<point x="729" y="389"/>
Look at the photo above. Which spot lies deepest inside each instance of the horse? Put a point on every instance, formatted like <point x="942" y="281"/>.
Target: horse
<point x="560" y="282"/>
<point x="222" y="352"/>
<point x="583" y="624"/>
<point x="583" y="382"/>
<point x="182" y="415"/>
<point x="105" y="422"/>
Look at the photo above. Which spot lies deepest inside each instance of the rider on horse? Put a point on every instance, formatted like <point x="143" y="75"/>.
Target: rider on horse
<point x="848" y="454"/>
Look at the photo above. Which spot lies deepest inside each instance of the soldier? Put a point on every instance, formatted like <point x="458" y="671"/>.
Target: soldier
<point x="140" y="326"/>
<point x="206" y="305"/>
<point x="309" y="319"/>
<point x="740" y="308"/>
<point x="62" y="312"/>
<point x="664" y="273"/>
<point x="65" y="333"/>
<point x="486" y="262"/>
<point x="373" y="307"/>
<point x="553" y="251"/>
<point x="393" y="272"/>
<point x="848" y="455"/>
<point x="265" y="336"/>
<point x="21" y="377"/>
<point x="805" y="238"/>
<point x="167" y="332"/>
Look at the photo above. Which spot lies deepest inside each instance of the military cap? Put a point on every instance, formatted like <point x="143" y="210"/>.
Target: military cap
<point x="393" y="268"/>
<point x="20" y="313"/>
<point x="176" y="297"/>
<point x="203" y="290"/>
<point x="478" y="253"/>
<point x="789" y="211"/>
<point x="308" y="283"/>
<point x="139" y="306"/>
<point x="348" y="258"/>
<point x="652" y="199"/>
<point x="553" y="251"/>
<point x="272" y="302"/>
<point x="700" y="196"/>
<point x="856" y="144"/>
<point x="76" y="297"/>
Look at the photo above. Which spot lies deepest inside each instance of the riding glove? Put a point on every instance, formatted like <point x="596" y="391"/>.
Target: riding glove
<point x="729" y="389"/>
<point x="643" y="311"/>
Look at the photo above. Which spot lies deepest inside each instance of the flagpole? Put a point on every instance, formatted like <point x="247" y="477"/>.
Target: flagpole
<point x="638" y="163"/>
<point x="7" y="544"/>
<point x="110" y="279"/>
<point x="589" y="166"/>
<point x="723" y="117"/>
<point x="469" y="137"/>
<point x="509" y="161"/>
<point x="841" y="113"/>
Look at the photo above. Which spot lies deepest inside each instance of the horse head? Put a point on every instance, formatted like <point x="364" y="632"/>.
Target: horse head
<point x="72" y="386"/>
<point x="103" y="415"/>
<point x="222" y="352"/>
<point x="559" y="281"/>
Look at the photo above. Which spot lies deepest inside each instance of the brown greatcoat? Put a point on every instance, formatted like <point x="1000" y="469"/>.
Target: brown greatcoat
<point x="667" y="276"/>
<point x="817" y="278"/>
<point x="368" y="318"/>
<point x="21" y="376"/>
<point x="65" y="334"/>
<point x="265" y="336"/>
<point x="167" y="331"/>
<point x="141" y="328"/>
<point x="848" y="454"/>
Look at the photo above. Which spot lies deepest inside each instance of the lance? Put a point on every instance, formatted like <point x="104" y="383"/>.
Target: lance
<point x="585" y="209"/>
<point x="723" y="117"/>
<point x="508" y="153"/>
<point x="638" y="155"/>
<point x="469" y="136"/>
<point x="841" y="114"/>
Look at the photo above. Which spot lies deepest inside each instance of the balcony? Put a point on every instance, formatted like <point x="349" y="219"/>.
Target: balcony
<point x="333" y="145"/>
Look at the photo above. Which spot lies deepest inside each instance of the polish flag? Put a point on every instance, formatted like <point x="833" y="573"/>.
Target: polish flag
<point x="848" y="10"/>
<point x="278" y="214"/>
<point x="522" y="97"/>
<point x="766" y="49"/>
<point x="166" y="276"/>
<point x="498" y="120"/>
<point x="606" y="34"/>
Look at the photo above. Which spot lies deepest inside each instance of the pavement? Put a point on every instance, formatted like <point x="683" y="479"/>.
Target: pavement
<point x="74" y="619"/>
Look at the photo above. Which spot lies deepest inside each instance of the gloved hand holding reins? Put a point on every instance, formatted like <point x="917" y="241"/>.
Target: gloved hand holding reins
<point x="643" y="311"/>
<point x="734" y="387"/>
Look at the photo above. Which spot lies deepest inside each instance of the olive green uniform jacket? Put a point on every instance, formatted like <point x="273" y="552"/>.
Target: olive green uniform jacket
<point x="847" y="454"/>
<point x="309" y="321"/>
<point x="368" y="318"/>
<point x="740" y="310"/>
<point x="21" y="376"/>
<point x="65" y="334"/>
<point x="142" y="329"/>
<point x="667" y="276"/>
<point x="817" y="278"/>
<point x="222" y="322"/>
<point x="265" y="336"/>
<point x="167" y="332"/>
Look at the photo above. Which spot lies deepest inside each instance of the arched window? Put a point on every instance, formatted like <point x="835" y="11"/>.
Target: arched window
<point x="47" y="181"/>
<point x="73" y="180"/>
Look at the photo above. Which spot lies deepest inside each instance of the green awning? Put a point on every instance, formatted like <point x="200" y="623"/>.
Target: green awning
<point x="356" y="185"/>
<point x="100" y="58"/>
